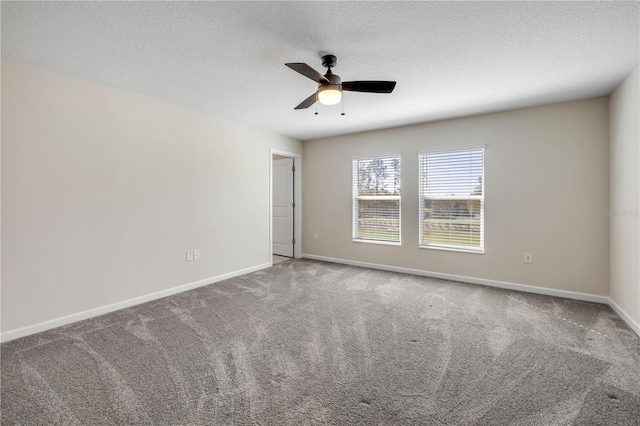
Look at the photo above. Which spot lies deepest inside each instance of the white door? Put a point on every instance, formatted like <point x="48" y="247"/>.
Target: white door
<point x="283" y="207"/>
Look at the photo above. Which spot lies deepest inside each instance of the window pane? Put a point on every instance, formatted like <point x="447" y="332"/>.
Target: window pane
<point x="378" y="176"/>
<point x="378" y="220"/>
<point x="456" y="223"/>
<point x="452" y="199"/>
<point x="376" y="199"/>
<point x="453" y="173"/>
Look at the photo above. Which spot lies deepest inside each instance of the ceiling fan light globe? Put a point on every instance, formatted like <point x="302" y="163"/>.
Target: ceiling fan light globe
<point x="329" y="95"/>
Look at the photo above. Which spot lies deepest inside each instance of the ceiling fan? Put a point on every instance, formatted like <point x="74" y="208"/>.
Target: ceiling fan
<point x="330" y="86"/>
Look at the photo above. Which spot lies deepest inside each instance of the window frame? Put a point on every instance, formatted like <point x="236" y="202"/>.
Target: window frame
<point x="355" y="197"/>
<point x="422" y="197"/>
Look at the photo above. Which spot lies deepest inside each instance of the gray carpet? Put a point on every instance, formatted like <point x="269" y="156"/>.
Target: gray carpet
<point x="306" y="343"/>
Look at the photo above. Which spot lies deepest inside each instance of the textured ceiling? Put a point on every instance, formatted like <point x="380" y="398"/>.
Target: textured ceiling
<point x="227" y="58"/>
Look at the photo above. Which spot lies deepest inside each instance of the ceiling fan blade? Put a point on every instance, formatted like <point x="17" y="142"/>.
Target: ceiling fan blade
<point x="308" y="72"/>
<point x="308" y="102"/>
<point x="369" y="86"/>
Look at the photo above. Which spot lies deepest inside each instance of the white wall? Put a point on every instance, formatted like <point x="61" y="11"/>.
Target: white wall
<point x="103" y="191"/>
<point x="625" y="195"/>
<point x="546" y="189"/>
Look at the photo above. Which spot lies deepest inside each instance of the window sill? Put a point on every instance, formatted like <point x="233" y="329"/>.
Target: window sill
<point x="384" y="243"/>
<point x="460" y="250"/>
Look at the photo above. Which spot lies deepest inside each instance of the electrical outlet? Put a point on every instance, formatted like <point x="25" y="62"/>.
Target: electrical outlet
<point x="196" y="254"/>
<point x="315" y="237"/>
<point x="189" y="255"/>
<point x="528" y="258"/>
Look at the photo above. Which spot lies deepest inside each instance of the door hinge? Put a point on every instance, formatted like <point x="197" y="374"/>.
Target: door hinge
<point x="293" y="168"/>
<point x="293" y="241"/>
<point x="293" y="204"/>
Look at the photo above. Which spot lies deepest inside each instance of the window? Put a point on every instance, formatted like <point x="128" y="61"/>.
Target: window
<point x="376" y="199"/>
<point x="452" y="199"/>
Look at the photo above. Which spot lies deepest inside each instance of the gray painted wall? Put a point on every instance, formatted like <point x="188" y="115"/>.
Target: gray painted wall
<point x="625" y="195"/>
<point x="546" y="189"/>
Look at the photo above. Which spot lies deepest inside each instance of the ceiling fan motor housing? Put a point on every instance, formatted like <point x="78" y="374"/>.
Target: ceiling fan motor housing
<point x="329" y="92"/>
<point x="334" y="80"/>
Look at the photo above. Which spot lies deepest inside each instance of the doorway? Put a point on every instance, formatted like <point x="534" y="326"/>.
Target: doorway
<point x="282" y="206"/>
<point x="285" y="195"/>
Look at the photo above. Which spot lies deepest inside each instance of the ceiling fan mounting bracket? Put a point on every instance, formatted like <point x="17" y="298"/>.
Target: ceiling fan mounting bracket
<point x="329" y="61"/>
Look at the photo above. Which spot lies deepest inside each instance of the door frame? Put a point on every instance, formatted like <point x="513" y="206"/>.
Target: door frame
<point x="297" y="197"/>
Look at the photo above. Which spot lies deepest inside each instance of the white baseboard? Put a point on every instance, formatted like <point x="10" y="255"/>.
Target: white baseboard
<point x="68" y="319"/>
<point x="587" y="297"/>
<point x="634" y="325"/>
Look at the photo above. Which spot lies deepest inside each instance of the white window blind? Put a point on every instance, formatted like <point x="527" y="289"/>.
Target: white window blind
<point x="376" y="199"/>
<point x="452" y="199"/>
